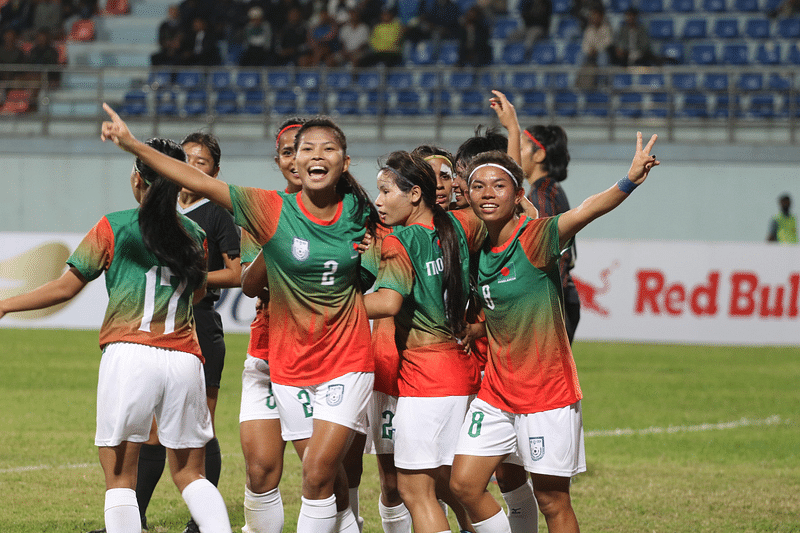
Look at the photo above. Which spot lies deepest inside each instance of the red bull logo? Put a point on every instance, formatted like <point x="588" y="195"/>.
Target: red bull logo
<point x="589" y="293"/>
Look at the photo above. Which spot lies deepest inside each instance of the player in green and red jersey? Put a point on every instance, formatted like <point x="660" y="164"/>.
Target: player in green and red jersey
<point x="529" y="402"/>
<point x="320" y="357"/>
<point x="154" y="261"/>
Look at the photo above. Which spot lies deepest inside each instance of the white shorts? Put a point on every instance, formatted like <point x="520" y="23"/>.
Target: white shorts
<point x="550" y="442"/>
<point x="258" y="399"/>
<point x="342" y="400"/>
<point x="380" y="418"/>
<point x="426" y="430"/>
<point x="137" y="382"/>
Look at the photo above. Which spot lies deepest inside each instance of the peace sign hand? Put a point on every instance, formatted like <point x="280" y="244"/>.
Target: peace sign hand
<point x="642" y="160"/>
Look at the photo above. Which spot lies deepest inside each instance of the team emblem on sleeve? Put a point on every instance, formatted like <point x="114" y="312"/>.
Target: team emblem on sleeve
<point x="335" y="395"/>
<point x="537" y="448"/>
<point x="300" y="249"/>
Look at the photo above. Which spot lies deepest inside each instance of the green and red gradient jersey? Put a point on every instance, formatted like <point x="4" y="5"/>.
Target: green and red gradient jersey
<point x="384" y="347"/>
<point x="146" y="303"/>
<point x="530" y="367"/>
<point x="433" y="363"/>
<point x="258" y="346"/>
<point x="318" y="324"/>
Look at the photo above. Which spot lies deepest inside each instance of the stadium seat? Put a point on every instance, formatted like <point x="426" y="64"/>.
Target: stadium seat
<point x="662" y="28"/>
<point x="248" y="80"/>
<point x="652" y="81"/>
<point x="768" y="53"/>
<point x="757" y="28"/>
<point x="762" y="106"/>
<point x="569" y="28"/>
<point x="159" y="79"/>
<point x="254" y="102"/>
<point x="622" y="81"/>
<point x="695" y="29"/>
<point x="703" y="54"/>
<point x="771" y="5"/>
<point x="439" y="103"/>
<point x="422" y="53"/>
<point x="448" y="53"/>
<point x="513" y="54"/>
<point x="117" y="7"/>
<point x="523" y="81"/>
<point x="473" y="103"/>
<point x="220" y="79"/>
<point x="789" y="28"/>
<point x="279" y="79"/>
<point x="694" y="105"/>
<point x="312" y="103"/>
<point x="672" y="52"/>
<point x="346" y="102"/>
<point x="751" y="81"/>
<point x="735" y="54"/>
<point x="630" y="104"/>
<point x="488" y="81"/>
<point x="134" y="103"/>
<point x="565" y="104"/>
<point x="376" y="101"/>
<point x="406" y="103"/>
<point x="189" y="79"/>
<point x="429" y="80"/>
<point x="714" y="6"/>
<point x="793" y="57"/>
<point x="725" y="107"/>
<point x="17" y="101"/>
<point x="400" y="80"/>
<point x="561" y="7"/>
<point x="715" y="81"/>
<point x="166" y="103"/>
<point x="777" y="82"/>
<point x="573" y="55"/>
<point x="683" y="6"/>
<point x="226" y="102"/>
<point x="82" y="30"/>
<point x="727" y="28"/>
<point x="557" y="80"/>
<point x="534" y="103"/>
<point x="658" y="106"/>
<point x="619" y="6"/>
<point x="338" y="80"/>
<point x="461" y="80"/>
<point x="748" y="6"/>
<point x="651" y="6"/>
<point x="285" y="103"/>
<point x="503" y="27"/>
<point x="596" y="104"/>
<point x="369" y="81"/>
<point x="684" y="81"/>
<point x="544" y="53"/>
<point x="307" y="80"/>
<point x="196" y="102"/>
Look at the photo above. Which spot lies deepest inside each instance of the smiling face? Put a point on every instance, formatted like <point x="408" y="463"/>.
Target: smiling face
<point x="494" y="195"/>
<point x="320" y="159"/>
<point x="444" y="181"/>
<point x="285" y="160"/>
<point x="393" y="205"/>
<point x="460" y="186"/>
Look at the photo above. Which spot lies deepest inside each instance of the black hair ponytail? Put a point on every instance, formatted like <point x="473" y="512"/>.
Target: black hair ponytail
<point x="163" y="234"/>
<point x="409" y="170"/>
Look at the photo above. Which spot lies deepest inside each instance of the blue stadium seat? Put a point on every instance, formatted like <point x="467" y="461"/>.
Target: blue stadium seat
<point x="651" y="6"/>
<point x="220" y="79"/>
<point x="400" y="80"/>
<point x="488" y="81"/>
<point x="715" y="81"/>
<point x="749" y="6"/>
<point x="423" y="53"/>
<point x="461" y="80"/>
<point x="714" y="6"/>
<point x="439" y="103"/>
<point x="285" y="103"/>
<point x="544" y="53"/>
<point x="448" y="53"/>
<point x="307" y="80"/>
<point x="561" y="7"/>
<point x="338" y="80"/>
<point x="249" y="79"/>
<point x="777" y="82"/>
<point x="768" y="53"/>
<point x="513" y="54"/>
<point x="189" y="79"/>
<point x="683" y="6"/>
<point x="279" y="79"/>
<point x="630" y="104"/>
<point x="789" y="28"/>
<point x="662" y="28"/>
<point x="473" y="103"/>
<point x="375" y="101"/>
<point x="751" y="81"/>
<point x="226" y="102"/>
<point x="727" y="28"/>
<point x="725" y="106"/>
<point x="573" y="55"/>
<point x="569" y="28"/>
<point x="672" y="52"/>
<point x="659" y="105"/>
<point x="523" y="81"/>
<point x="534" y="103"/>
<point x="565" y="104"/>
<point x="793" y="57"/>
<point x="406" y="103"/>
<point x="557" y="80"/>
<point x="762" y="106"/>
<point x="166" y="103"/>
<point x="503" y="27"/>
<point x="254" y="102"/>
<point x="619" y="6"/>
<point x="695" y="29"/>
<point x="703" y="54"/>
<point x="771" y="5"/>
<point x="346" y="102"/>
<point x="757" y="28"/>
<point x="312" y="102"/>
<point x="196" y="102"/>
<point x="134" y="103"/>
<point x="652" y="81"/>
<point x="684" y="81"/>
<point x="596" y="104"/>
<point x="369" y="80"/>
<point x="622" y="81"/>
<point x="693" y="104"/>
<point x="429" y="80"/>
<point x="735" y="54"/>
<point x="159" y="79"/>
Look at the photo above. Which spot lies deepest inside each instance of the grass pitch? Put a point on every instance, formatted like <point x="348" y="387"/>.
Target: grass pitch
<point x="678" y="439"/>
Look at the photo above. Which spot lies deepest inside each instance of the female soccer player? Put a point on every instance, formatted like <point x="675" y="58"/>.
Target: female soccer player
<point x="529" y="402"/>
<point x="544" y="161"/>
<point x="155" y="268"/>
<point x="424" y="258"/>
<point x="442" y="163"/>
<point x="320" y="358"/>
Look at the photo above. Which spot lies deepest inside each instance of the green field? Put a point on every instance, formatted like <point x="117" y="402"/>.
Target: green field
<point x="678" y="439"/>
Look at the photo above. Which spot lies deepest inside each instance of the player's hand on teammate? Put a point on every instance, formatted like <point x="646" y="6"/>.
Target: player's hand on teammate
<point x="643" y="161"/>
<point x="116" y="130"/>
<point x="506" y="113"/>
<point x="470" y="333"/>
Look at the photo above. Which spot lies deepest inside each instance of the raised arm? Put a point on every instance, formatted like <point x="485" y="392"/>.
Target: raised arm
<point x="181" y="173"/>
<point x="55" y="292"/>
<point x="572" y="221"/>
<point x="507" y="115"/>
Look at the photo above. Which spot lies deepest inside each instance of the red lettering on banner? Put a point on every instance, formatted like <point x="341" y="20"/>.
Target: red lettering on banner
<point x="743" y="285"/>
<point x="704" y="297"/>
<point x="771" y="301"/>
<point x="674" y="297"/>
<point x="794" y="282"/>
<point x="654" y="293"/>
<point x="650" y="284"/>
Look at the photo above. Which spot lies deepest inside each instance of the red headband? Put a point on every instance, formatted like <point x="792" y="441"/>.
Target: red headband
<point x="532" y="138"/>
<point x="290" y="126"/>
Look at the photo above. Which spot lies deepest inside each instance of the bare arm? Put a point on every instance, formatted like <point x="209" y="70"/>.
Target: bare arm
<point x="55" y="292"/>
<point x="507" y="115"/>
<point x="199" y="294"/>
<point x="383" y="303"/>
<point x="572" y="221"/>
<point x="528" y="208"/>
<point x="254" y="277"/>
<point x="181" y="173"/>
<point x="229" y="276"/>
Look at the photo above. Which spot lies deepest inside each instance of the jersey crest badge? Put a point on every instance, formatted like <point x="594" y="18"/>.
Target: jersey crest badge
<point x="537" y="448"/>
<point x="354" y="249"/>
<point x="300" y="249"/>
<point x="507" y="273"/>
<point x="335" y="395"/>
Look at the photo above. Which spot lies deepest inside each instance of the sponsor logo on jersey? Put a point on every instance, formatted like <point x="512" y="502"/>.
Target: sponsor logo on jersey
<point x="300" y="249"/>
<point x="537" y="448"/>
<point x="335" y="395"/>
<point x="507" y="273"/>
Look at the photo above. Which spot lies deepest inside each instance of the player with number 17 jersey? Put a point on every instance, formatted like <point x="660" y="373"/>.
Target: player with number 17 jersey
<point x="318" y="325"/>
<point x="146" y="303"/>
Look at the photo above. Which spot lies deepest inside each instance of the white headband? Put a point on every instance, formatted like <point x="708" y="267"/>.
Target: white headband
<point x="495" y="165"/>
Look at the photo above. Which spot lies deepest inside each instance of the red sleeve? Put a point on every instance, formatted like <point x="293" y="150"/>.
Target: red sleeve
<point x="257" y="211"/>
<point x="539" y="239"/>
<point x="474" y="228"/>
<point x="396" y="271"/>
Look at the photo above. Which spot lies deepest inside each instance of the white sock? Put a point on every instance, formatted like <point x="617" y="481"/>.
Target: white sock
<point x="263" y="513"/>
<point x="496" y="524"/>
<point x="317" y="516"/>
<point x="122" y="512"/>
<point x="354" y="507"/>
<point x="206" y="506"/>
<point x="346" y="522"/>
<point x="523" y="512"/>
<point x="395" y="519"/>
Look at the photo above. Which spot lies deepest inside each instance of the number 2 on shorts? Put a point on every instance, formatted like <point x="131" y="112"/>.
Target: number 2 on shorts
<point x="305" y="399"/>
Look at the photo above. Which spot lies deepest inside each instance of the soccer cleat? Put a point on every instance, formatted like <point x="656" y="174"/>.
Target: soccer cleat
<point x="191" y="527"/>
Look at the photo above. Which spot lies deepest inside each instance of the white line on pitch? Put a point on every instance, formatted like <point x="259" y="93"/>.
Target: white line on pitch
<point x="742" y="422"/>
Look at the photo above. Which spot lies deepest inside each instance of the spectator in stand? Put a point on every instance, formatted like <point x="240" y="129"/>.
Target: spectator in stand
<point x="17" y="15"/>
<point x="10" y="54"/>
<point x="786" y="9"/>
<point x="443" y="16"/>
<point x="204" y="49"/>
<point x="43" y="53"/>
<point x="474" y="48"/>
<point x="386" y="42"/>
<point x="323" y="39"/>
<point x="597" y="39"/>
<point x="257" y="38"/>
<point x="354" y="40"/>
<point x="370" y="11"/>
<point x="340" y="10"/>
<point x="172" y="53"/>
<point x="493" y="7"/>
<point x="170" y="27"/>
<point x="536" y="15"/>
<point x="291" y="45"/>
<point x="582" y="10"/>
<point x="189" y="10"/>
<point x="47" y="14"/>
<point x="632" y="42"/>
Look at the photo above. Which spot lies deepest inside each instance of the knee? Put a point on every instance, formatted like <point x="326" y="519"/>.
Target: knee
<point x="318" y="477"/>
<point x="552" y="503"/>
<point x="391" y="494"/>
<point x="263" y="475"/>
<point x="463" y="488"/>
